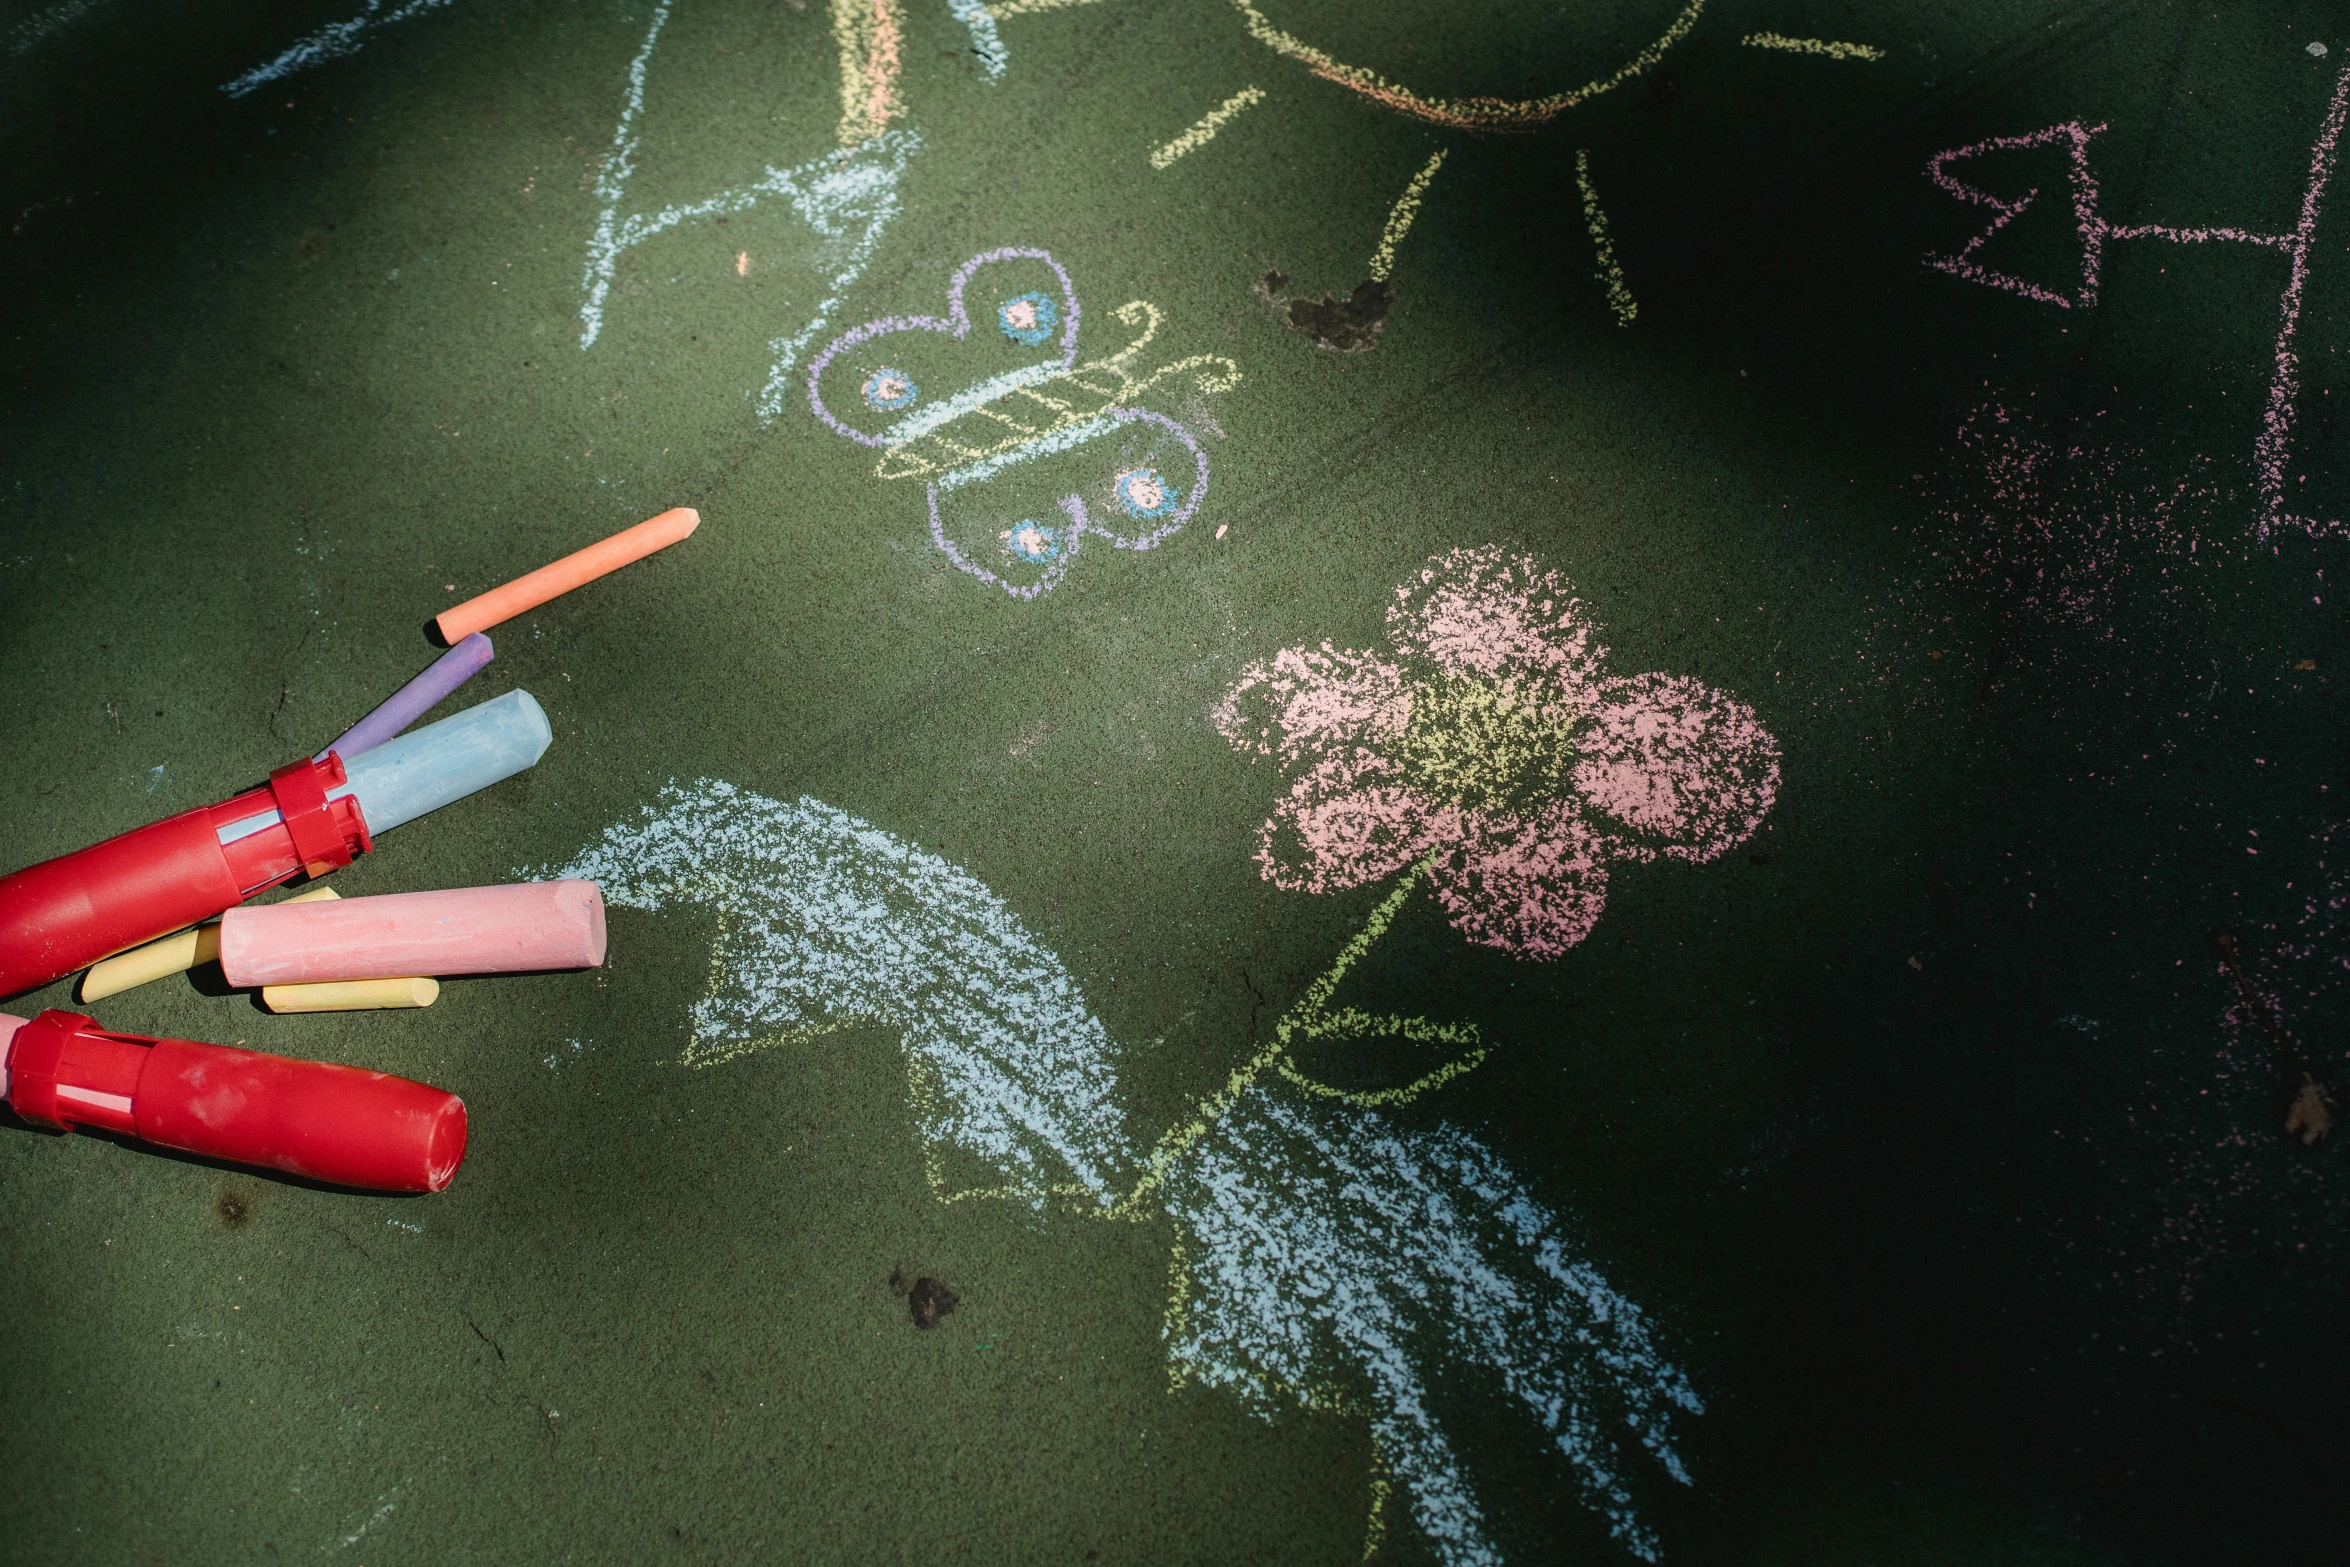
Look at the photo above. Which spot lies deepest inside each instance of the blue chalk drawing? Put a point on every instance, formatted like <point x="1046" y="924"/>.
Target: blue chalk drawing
<point x="1145" y="492"/>
<point x="1035" y="543"/>
<point x="331" y="42"/>
<point x="1028" y="318"/>
<point x="846" y="198"/>
<point x="1321" y="1247"/>
<point x="986" y="42"/>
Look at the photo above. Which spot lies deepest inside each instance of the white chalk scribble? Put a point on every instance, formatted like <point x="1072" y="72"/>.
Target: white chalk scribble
<point x="846" y="197"/>
<point x="330" y="42"/>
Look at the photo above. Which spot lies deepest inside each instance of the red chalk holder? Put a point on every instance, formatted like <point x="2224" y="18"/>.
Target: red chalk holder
<point x="333" y="1123"/>
<point x="67" y="913"/>
<point x="325" y="833"/>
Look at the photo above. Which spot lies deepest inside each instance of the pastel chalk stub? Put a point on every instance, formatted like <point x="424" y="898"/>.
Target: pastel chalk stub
<point x="415" y="699"/>
<point x="465" y="930"/>
<point x="352" y="995"/>
<point x="428" y="768"/>
<point x="420" y="772"/>
<point x="577" y="569"/>
<point x="172" y="955"/>
<point x="9" y="1024"/>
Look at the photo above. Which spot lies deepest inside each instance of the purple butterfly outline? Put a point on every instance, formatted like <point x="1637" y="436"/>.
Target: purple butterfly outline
<point x="956" y="323"/>
<point x="1080" y="516"/>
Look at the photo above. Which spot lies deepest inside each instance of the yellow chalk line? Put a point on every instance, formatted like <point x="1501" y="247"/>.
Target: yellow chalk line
<point x="936" y="451"/>
<point x="1382" y="1487"/>
<point x="867" y="34"/>
<point x="1304" y="1021"/>
<point x="1468" y="114"/>
<point x="1205" y="131"/>
<point x="1820" y="46"/>
<point x="1619" y="292"/>
<point x="1010" y="8"/>
<point x="1399" y="220"/>
<point x="1471" y="114"/>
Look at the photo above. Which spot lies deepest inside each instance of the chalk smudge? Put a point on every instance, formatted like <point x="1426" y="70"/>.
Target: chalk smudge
<point x="2061" y="526"/>
<point x="1489" y="742"/>
<point x="331" y="42"/>
<point x="2311" y="1115"/>
<point x="1326" y="1259"/>
<point x="2273" y="450"/>
<point x="386" y="1505"/>
<point x="39" y="29"/>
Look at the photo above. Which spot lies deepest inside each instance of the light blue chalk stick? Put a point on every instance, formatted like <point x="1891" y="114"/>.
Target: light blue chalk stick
<point x="427" y="768"/>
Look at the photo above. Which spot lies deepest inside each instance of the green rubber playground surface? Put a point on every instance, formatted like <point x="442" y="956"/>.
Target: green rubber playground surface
<point x="1446" y="786"/>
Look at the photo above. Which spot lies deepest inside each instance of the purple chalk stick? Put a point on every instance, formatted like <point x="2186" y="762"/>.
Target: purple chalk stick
<point x="413" y="700"/>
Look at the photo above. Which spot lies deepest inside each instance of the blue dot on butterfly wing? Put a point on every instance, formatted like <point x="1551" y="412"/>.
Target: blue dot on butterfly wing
<point x="1028" y="318"/>
<point x="1146" y="492"/>
<point x="888" y="390"/>
<point x="1034" y="543"/>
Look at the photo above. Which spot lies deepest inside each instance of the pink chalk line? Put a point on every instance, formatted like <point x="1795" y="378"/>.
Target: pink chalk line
<point x="2274" y="448"/>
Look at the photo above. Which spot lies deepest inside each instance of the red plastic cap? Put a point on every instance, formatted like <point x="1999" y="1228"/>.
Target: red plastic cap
<point x="341" y="1124"/>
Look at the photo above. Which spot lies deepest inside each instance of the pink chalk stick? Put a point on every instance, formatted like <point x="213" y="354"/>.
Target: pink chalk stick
<point x="466" y="930"/>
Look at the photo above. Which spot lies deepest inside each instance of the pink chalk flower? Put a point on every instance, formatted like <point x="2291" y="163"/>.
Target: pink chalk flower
<point x="1489" y="741"/>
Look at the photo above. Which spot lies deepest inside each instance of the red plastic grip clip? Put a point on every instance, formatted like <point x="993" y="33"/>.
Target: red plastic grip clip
<point x="320" y="832"/>
<point x="33" y="1060"/>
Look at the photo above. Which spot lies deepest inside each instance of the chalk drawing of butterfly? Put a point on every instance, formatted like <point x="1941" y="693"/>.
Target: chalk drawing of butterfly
<point x="1026" y="452"/>
<point x="1327" y="1258"/>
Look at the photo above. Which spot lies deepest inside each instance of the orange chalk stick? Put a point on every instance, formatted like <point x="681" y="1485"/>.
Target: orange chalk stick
<point x="574" y="570"/>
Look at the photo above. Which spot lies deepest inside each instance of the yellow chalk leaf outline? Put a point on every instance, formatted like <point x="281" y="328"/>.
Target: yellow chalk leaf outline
<point x="1298" y="1024"/>
<point x="1113" y="383"/>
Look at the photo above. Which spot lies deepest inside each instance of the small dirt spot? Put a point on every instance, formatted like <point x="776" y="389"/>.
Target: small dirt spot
<point x="233" y="1209"/>
<point x="927" y="1299"/>
<point x="1347" y="326"/>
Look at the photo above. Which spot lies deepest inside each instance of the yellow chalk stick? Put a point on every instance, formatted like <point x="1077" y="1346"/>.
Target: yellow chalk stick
<point x="351" y="995"/>
<point x="171" y="955"/>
